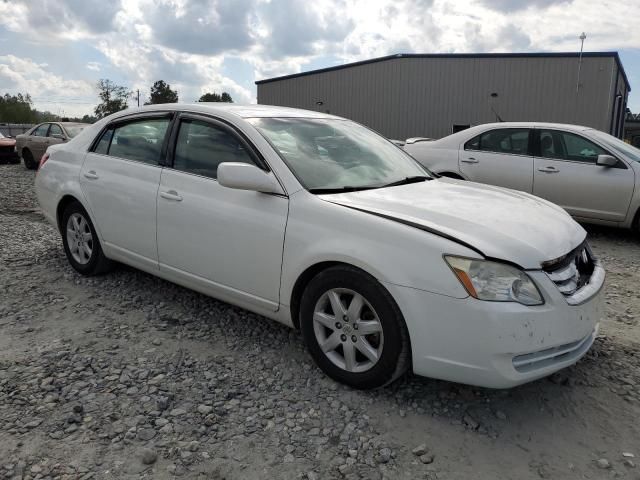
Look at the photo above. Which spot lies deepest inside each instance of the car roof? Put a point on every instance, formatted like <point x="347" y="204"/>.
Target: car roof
<point x="463" y="135"/>
<point x="238" y="110"/>
<point x="564" y="126"/>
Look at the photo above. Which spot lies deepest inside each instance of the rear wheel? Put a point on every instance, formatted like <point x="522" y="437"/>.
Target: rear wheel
<point x="29" y="161"/>
<point x="353" y="328"/>
<point x="81" y="243"/>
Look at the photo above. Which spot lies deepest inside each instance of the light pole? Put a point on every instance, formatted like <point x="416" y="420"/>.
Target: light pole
<point x="582" y="38"/>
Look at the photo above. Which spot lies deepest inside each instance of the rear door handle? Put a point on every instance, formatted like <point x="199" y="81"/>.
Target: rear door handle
<point x="548" y="170"/>
<point x="171" y="195"/>
<point x="91" y="174"/>
<point x="470" y="160"/>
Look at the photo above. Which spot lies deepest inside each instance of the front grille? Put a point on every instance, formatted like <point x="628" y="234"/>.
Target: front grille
<point x="571" y="272"/>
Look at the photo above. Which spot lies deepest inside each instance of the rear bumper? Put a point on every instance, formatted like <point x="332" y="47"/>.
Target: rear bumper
<point x="498" y="344"/>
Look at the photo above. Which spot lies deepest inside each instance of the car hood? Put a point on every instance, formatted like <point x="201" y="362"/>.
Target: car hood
<point x="501" y="223"/>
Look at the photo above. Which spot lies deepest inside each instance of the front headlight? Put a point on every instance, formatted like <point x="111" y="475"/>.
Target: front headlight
<point x="493" y="281"/>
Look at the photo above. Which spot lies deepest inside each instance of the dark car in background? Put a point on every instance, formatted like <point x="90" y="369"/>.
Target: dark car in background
<point x="31" y="145"/>
<point x="8" y="153"/>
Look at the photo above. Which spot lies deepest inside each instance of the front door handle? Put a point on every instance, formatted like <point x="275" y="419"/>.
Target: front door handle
<point x="470" y="160"/>
<point x="171" y="195"/>
<point x="548" y="170"/>
<point x="91" y="174"/>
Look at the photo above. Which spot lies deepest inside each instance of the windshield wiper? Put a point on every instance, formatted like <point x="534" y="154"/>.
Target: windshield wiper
<point x="408" y="180"/>
<point x="346" y="188"/>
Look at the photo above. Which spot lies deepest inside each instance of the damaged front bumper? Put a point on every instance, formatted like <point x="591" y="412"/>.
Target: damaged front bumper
<point x="501" y="344"/>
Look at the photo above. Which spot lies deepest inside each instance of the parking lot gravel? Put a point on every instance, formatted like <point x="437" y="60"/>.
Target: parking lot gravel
<point x="128" y="376"/>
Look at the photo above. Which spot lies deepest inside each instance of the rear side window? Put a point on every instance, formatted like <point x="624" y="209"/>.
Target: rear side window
<point x="514" y="141"/>
<point x="103" y="145"/>
<point x="41" y="131"/>
<point x="139" y="140"/>
<point x="201" y="147"/>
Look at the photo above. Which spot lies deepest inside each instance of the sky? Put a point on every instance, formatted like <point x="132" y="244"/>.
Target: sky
<point x="56" y="50"/>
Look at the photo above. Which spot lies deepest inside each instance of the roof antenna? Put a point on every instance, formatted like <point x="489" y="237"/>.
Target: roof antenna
<point x="581" y="37"/>
<point x="494" y="95"/>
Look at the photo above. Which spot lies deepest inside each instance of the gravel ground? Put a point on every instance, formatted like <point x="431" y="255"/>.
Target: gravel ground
<point x="128" y="376"/>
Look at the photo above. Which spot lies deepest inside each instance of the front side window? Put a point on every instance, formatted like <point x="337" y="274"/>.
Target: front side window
<point x="514" y="141"/>
<point x="327" y="154"/>
<point x="41" y="130"/>
<point x="139" y="140"/>
<point x="568" y="146"/>
<point x="55" y="130"/>
<point x="201" y="147"/>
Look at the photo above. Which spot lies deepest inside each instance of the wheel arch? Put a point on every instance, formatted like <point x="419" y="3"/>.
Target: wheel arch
<point x="451" y="175"/>
<point x="65" y="201"/>
<point x="306" y="276"/>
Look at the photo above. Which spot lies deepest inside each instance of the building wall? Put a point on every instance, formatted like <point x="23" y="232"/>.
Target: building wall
<point x="405" y="97"/>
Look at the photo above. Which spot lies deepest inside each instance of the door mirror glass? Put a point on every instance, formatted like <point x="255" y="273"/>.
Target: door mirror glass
<point x="243" y="176"/>
<point x="59" y="136"/>
<point x="606" y="161"/>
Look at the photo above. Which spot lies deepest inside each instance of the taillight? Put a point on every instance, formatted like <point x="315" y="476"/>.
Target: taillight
<point x="43" y="160"/>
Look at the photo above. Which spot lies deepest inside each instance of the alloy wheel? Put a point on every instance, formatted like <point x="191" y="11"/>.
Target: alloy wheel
<point x="348" y="330"/>
<point x="79" y="238"/>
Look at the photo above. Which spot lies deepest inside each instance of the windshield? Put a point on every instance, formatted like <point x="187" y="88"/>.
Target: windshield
<point x="328" y="154"/>
<point x="1" y="135"/>
<point x="629" y="151"/>
<point x="74" y="130"/>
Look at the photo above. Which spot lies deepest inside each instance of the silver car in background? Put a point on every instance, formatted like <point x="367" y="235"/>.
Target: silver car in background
<point x="589" y="173"/>
<point x="32" y="144"/>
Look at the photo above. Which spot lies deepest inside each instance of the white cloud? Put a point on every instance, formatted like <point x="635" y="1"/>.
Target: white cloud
<point x="47" y="90"/>
<point x="185" y="42"/>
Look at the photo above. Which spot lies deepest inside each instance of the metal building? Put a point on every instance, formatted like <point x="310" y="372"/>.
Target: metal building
<point x="433" y="95"/>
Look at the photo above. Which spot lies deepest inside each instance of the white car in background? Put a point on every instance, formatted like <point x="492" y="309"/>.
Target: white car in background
<point x="591" y="174"/>
<point x="321" y="224"/>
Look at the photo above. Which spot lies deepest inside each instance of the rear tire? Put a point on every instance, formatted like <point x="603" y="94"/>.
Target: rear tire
<point x="81" y="243"/>
<point x="365" y="344"/>
<point x="29" y="161"/>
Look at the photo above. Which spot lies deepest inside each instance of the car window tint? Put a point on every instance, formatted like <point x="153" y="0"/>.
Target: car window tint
<point x="139" y="140"/>
<point x="514" y="141"/>
<point x="201" y="147"/>
<point x="55" y="130"/>
<point x="103" y="145"/>
<point x="568" y="146"/>
<point x="473" y="144"/>
<point x="41" y="131"/>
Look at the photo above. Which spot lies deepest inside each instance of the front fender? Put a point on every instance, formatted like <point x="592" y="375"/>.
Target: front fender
<point x="319" y="231"/>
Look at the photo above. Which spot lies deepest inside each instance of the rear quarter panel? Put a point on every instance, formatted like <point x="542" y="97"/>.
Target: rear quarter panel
<point x="436" y="158"/>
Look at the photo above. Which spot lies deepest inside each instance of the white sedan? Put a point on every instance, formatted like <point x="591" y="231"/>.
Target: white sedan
<point x="592" y="175"/>
<point x="321" y="224"/>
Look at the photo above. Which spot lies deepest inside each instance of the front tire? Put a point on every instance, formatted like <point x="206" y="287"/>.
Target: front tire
<point x="29" y="161"/>
<point x="353" y="328"/>
<point x="81" y="243"/>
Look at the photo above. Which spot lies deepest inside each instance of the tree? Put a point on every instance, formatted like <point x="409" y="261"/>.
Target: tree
<point x="214" y="97"/>
<point x="161" y="93"/>
<point x="17" y="109"/>
<point x="113" y="98"/>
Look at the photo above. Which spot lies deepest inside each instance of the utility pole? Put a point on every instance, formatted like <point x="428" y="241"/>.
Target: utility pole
<point x="138" y="97"/>
<point x="582" y="37"/>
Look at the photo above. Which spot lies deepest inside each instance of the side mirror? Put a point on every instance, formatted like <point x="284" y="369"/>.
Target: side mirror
<point x="58" y="136"/>
<point x="606" y="161"/>
<point x="243" y="176"/>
